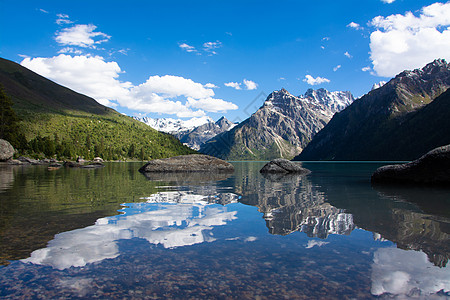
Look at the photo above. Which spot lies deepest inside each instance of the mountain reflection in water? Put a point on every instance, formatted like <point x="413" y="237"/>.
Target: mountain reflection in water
<point x="324" y="235"/>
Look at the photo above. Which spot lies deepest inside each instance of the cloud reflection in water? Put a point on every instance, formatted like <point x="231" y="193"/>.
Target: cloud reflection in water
<point x="170" y="219"/>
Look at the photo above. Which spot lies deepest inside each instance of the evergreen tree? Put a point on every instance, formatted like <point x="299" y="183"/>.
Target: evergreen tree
<point x="9" y="128"/>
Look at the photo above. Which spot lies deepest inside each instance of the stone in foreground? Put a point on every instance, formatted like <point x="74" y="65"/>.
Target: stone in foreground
<point x="432" y="168"/>
<point x="6" y="150"/>
<point x="188" y="163"/>
<point x="284" y="166"/>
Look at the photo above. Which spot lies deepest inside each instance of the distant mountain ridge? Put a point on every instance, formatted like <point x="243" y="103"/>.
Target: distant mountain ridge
<point x="174" y="126"/>
<point x="397" y="121"/>
<point x="192" y="133"/>
<point x="280" y="128"/>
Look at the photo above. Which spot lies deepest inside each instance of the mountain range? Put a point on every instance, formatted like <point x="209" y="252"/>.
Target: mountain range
<point x="192" y="133"/>
<point x="401" y="120"/>
<point x="55" y="120"/>
<point x="281" y="127"/>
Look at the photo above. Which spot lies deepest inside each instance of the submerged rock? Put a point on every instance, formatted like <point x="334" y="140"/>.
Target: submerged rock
<point x="432" y="168"/>
<point x="284" y="166"/>
<point x="188" y="163"/>
<point x="6" y="150"/>
<point x="93" y="165"/>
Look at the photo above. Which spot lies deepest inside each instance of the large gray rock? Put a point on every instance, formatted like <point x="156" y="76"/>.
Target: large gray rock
<point x="188" y="163"/>
<point x="281" y="165"/>
<point x="432" y="168"/>
<point x="6" y="150"/>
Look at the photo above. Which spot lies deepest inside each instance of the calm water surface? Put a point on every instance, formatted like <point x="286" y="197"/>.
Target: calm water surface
<point x="114" y="233"/>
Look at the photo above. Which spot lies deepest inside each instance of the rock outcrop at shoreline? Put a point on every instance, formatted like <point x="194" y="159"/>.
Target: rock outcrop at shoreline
<point x="6" y="150"/>
<point x="432" y="168"/>
<point x="284" y="166"/>
<point x="188" y="163"/>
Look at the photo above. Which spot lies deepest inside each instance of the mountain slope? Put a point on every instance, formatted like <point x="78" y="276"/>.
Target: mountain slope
<point x="383" y="124"/>
<point x="199" y="135"/>
<point x="54" y="118"/>
<point x="280" y="128"/>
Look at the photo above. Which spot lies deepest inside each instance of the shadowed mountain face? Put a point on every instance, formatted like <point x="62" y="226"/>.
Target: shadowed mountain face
<point x="32" y="92"/>
<point x="402" y="120"/>
<point x="280" y="128"/>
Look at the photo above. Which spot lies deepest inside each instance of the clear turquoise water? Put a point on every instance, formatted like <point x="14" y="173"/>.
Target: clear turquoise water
<point x="113" y="233"/>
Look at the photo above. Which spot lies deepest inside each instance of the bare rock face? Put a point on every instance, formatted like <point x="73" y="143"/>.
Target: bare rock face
<point x="188" y="163"/>
<point x="281" y="165"/>
<point x="6" y="150"/>
<point x="432" y="168"/>
<point x="281" y="127"/>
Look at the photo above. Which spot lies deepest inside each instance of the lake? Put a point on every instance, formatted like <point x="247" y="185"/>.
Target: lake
<point x="114" y="233"/>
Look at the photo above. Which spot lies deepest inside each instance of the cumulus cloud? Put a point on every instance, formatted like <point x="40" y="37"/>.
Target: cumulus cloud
<point x="314" y="81"/>
<point x="366" y="69"/>
<point x="354" y="26"/>
<point x="81" y="35"/>
<point x="337" y="68"/>
<point x="93" y="76"/>
<point x="250" y="85"/>
<point x="408" y="41"/>
<point x="235" y="85"/>
<point x="348" y="55"/>
<point x="388" y="1"/>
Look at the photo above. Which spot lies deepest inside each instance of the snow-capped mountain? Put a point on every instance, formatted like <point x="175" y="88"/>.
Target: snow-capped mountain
<point x="175" y="126"/>
<point x="282" y="127"/>
<point x="193" y="132"/>
<point x="378" y="85"/>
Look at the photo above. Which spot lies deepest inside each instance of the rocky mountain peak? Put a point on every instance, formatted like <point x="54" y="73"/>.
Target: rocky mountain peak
<point x="438" y="66"/>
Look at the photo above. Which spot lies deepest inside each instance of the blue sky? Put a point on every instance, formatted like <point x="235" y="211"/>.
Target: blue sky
<point x="185" y="59"/>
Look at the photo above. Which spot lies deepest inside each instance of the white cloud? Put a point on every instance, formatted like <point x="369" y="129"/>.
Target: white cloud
<point x="211" y="46"/>
<point x="210" y="86"/>
<point x="93" y="76"/>
<point x="408" y="41"/>
<point x="314" y="81"/>
<point x="89" y="75"/>
<point x="187" y="48"/>
<point x="43" y="10"/>
<point x="211" y="104"/>
<point x="366" y="69"/>
<point x="348" y="55"/>
<point x="250" y="85"/>
<point x="388" y="1"/>
<point x="63" y="19"/>
<point x="337" y="68"/>
<point x="354" y="26"/>
<point x="70" y="50"/>
<point x="234" y="85"/>
<point x="81" y="36"/>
